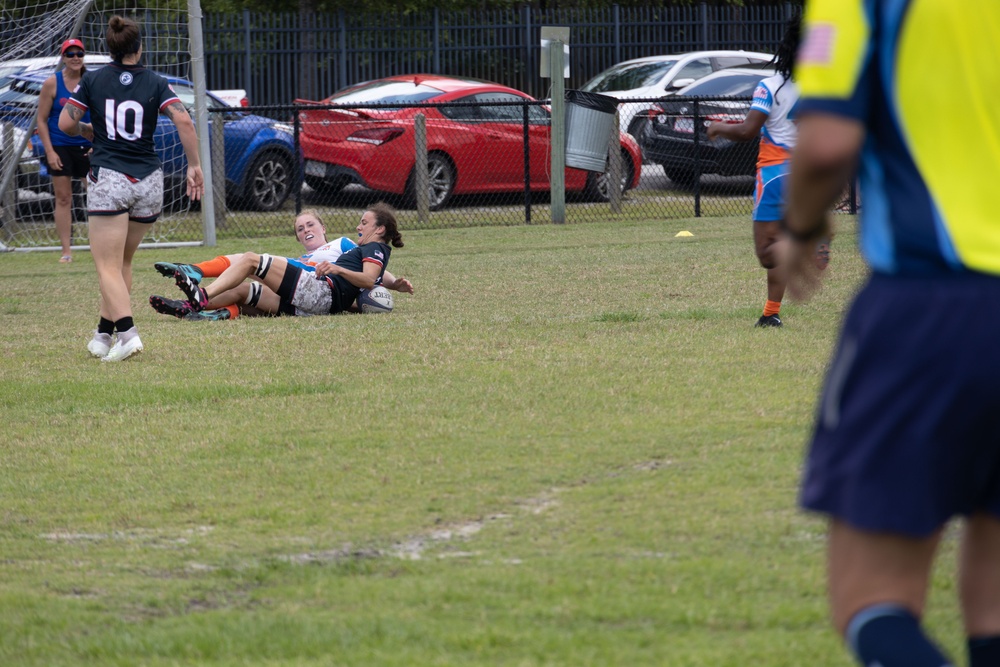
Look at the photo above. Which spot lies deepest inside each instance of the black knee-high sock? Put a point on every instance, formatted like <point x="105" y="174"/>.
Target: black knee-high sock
<point x="124" y="324"/>
<point x="984" y="651"/>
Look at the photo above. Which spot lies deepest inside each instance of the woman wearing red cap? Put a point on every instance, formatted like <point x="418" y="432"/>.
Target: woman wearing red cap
<point x="66" y="157"/>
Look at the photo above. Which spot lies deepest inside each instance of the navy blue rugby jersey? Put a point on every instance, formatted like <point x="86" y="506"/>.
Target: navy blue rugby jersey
<point x="124" y="102"/>
<point x="354" y="260"/>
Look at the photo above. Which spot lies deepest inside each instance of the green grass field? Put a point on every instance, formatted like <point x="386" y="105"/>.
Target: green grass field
<point x="570" y="447"/>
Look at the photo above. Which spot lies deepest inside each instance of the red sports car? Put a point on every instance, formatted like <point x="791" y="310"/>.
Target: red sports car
<point x="474" y="147"/>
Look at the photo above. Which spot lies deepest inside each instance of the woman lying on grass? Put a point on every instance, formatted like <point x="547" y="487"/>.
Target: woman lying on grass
<point x="260" y="298"/>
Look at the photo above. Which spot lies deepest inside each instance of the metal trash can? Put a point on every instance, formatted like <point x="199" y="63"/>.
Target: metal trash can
<point x="589" y="119"/>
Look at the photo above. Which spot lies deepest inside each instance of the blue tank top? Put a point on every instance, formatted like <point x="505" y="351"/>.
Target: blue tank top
<point x="58" y="137"/>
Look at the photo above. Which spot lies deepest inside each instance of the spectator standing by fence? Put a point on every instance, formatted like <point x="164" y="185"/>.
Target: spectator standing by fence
<point x="66" y="157"/>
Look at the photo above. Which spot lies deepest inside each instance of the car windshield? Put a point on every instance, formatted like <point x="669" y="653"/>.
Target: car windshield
<point x="737" y="85"/>
<point x="185" y="93"/>
<point x="629" y="76"/>
<point x="386" y="92"/>
<point x="21" y="93"/>
<point x="9" y="71"/>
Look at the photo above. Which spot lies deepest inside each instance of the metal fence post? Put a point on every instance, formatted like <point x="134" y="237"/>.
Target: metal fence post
<point x="704" y="25"/>
<point x="557" y="132"/>
<point x="527" y="165"/>
<point x="615" y="166"/>
<point x="218" y="152"/>
<point x="342" y="25"/>
<point x="247" y="48"/>
<point x="616" y="13"/>
<point x="299" y="164"/>
<point x="529" y="50"/>
<point x="420" y="177"/>
<point x="437" y="41"/>
<point x="697" y="162"/>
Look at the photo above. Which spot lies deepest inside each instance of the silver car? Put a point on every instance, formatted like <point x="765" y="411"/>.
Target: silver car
<point x="656" y="76"/>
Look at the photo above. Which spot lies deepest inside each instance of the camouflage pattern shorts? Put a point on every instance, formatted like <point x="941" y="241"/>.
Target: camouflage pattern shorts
<point x="312" y="295"/>
<point x="111" y="192"/>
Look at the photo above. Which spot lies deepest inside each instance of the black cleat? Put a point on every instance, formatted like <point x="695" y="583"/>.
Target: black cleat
<point x="172" y="307"/>
<point x="768" y="321"/>
<point x="195" y="295"/>
<point x="168" y="269"/>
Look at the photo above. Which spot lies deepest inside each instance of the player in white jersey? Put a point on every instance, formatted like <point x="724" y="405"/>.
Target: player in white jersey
<point x="772" y="117"/>
<point x="328" y="252"/>
<point x="310" y="232"/>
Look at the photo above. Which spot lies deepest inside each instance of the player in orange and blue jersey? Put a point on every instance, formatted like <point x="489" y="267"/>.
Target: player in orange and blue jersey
<point x="772" y="117"/>
<point x="907" y="434"/>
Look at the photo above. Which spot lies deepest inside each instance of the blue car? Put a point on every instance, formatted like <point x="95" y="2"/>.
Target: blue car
<point x="261" y="162"/>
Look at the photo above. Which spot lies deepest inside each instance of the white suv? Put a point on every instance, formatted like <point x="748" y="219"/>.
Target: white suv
<point x="12" y="68"/>
<point x="657" y="76"/>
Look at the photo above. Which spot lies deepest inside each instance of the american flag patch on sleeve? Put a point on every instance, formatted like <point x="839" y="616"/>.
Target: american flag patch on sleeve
<point x="817" y="47"/>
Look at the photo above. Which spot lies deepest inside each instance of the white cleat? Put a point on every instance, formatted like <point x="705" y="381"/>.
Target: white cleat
<point x="100" y="345"/>
<point x="122" y="351"/>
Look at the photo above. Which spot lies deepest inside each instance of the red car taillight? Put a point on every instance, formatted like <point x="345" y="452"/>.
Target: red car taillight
<point x="244" y="102"/>
<point x="376" y="136"/>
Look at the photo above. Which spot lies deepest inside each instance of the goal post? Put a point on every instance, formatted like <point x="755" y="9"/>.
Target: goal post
<point x="172" y="45"/>
<point x="201" y="119"/>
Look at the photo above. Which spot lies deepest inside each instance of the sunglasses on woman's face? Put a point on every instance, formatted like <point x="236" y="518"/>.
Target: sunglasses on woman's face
<point x="73" y="54"/>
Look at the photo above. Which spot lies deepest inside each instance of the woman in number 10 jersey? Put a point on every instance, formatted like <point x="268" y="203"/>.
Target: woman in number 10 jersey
<point x="126" y="182"/>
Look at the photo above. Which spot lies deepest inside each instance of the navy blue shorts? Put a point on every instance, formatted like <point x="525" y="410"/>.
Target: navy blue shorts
<point x="75" y="161"/>
<point x="908" y="427"/>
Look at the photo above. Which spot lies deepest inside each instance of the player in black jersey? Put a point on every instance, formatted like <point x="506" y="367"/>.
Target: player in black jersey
<point x="125" y="193"/>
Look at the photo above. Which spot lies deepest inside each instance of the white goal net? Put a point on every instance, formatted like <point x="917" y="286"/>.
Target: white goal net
<point x="31" y="32"/>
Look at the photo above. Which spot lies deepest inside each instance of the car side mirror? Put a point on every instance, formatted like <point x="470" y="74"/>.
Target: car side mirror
<point x="680" y="83"/>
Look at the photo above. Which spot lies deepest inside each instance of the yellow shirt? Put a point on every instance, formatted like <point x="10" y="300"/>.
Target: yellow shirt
<point x="924" y="78"/>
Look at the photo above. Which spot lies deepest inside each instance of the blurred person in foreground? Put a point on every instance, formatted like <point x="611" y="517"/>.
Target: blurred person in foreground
<point x="125" y="195"/>
<point x="907" y="432"/>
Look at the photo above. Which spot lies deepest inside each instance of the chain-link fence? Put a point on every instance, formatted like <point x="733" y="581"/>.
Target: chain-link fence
<point x="488" y="161"/>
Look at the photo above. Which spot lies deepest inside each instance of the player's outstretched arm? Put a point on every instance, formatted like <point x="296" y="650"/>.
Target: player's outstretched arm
<point x="748" y="130"/>
<point x="398" y="284"/>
